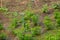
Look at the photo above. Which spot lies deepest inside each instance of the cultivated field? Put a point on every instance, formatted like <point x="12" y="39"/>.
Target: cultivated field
<point x="29" y="19"/>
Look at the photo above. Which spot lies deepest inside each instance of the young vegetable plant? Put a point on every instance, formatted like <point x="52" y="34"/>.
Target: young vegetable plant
<point x="56" y="6"/>
<point x="18" y="31"/>
<point x="34" y="19"/>
<point x="28" y="37"/>
<point x="48" y="23"/>
<point x="13" y="24"/>
<point x="57" y="17"/>
<point x="27" y="26"/>
<point x="25" y="37"/>
<point x="36" y="31"/>
<point x="22" y="35"/>
<point x="45" y="8"/>
<point x="50" y="37"/>
<point x="53" y="36"/>
<point x="28" y="15"/>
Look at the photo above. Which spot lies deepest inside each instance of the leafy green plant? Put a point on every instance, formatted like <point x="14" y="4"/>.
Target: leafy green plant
<point x="34" y="19"/>
<point x="57" y="14"/>
<point x="28" y="15"/>
<point x="28" y="37"/>
<point x="57" y="17"/>
<point x="27" y="26"/>
<point x="3" y="36"/>
<point x="22" y="35"/>
<point x="13" y="24"/>
<point x="53" y="36"/>
<point x="56" y="6"/>
<point x="3" y="9"/>
<point x="45" y="8"/>
<point x="48" y="23"/>
<point x="18" y="31"/>
<point x="50" y="37"/>
<point x="36" y="30"/>
<point x="25" y="37"/>
<point x="15" y="14"/>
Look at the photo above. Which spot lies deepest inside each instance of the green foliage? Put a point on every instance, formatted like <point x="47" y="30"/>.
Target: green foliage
<point x="27" y="18"/>
<point x="13" y="23"/>
<point x="56" y="6"/>
<point x="1" y="26"/>
<point x="3" y="36"/>
<point x="50" y="37"/>
<point x="45" y="8"/>
<point x="27" y="26"/>
<point x="53" y="36"/>
<point x="15" y="14"/>
<point x="34" y="19"/>
<point x="57" y="14"/>
<point x="36" y="30"/>
<point x="57" y="17"/>
<point x="48" y="23"/>
<point x="3" y="9"/>
<point x="20" y="33"/>
<point x="28" y="15"/>
<point x="25" y="37"/>
<point x="28" y="37"/>
<point x="11" y="14"/>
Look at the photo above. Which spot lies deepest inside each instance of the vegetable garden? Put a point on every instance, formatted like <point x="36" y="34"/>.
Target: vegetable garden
<point x="29" y="25"/>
